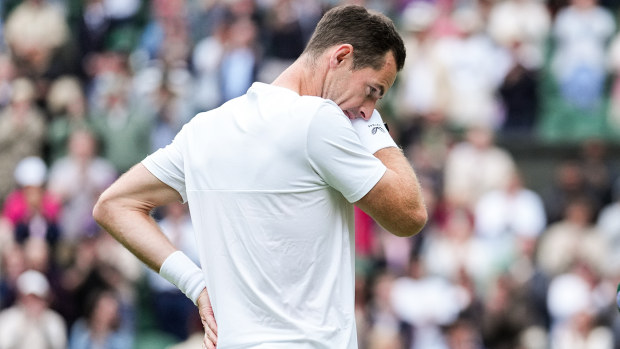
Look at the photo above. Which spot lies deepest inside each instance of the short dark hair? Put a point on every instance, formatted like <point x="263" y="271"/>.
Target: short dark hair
<point x="371" y="34"/>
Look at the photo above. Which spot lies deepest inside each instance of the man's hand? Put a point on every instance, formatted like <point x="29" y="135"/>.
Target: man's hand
<point x="208" y="320"/>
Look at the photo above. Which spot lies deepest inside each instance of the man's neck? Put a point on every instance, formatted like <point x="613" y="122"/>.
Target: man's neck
<point x="302" y="78"/>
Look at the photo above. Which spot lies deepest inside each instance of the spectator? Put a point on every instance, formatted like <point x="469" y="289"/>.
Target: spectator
<point x="93" y="26"/>
<point x="574" y="313"/>
<point x="67" y="104"/>
<point x="475" y="68"/>
<point x="582" y="31"/>
<point x="13" y="265"/>
<point x="123" y="128"/>
<point x="77" y="180"/>
<point x="238" y="67"/>
<point x="173" y="111"/>
<point x="519" y="92"/>
<point x="510" y="211"/>
<point x="34" y="31"/>
<point x="475" y="167"/>
<point x="207" y="58"/>
<point x="32" y="211"/>
<point x="509" y="312"/>
<point x="442" y="303"/>
<point x="573" y="239"/>
<point x="30" y="323"/>
<point x="525" y="22"/>
<point x="455" y="250"/>
<point x="103" y="327"/>
<point x="424" y="88"/>
<point x="381" y="324"/>
<point x="22" y="131"/>
<point x="101" y="263"/>
<point x="570" y="184"/>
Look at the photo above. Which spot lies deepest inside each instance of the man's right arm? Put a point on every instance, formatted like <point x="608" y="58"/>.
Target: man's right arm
<point x="383" y="185"/>
<point x="396" y="201"/>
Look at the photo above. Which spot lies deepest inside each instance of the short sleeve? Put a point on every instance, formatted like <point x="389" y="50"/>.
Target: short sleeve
<point x="337" y="156"/>
<point x="167" y="164"/>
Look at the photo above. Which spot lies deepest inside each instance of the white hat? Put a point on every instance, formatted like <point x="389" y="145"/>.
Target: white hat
<point x="31" y="171"/>
<point x="33" y="282"/>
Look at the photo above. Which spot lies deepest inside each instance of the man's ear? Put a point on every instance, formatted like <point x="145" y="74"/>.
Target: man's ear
<point x="342" y="55"/>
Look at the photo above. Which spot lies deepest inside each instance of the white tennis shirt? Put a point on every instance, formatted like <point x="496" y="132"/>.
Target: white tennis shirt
<point x="270" y="178"/>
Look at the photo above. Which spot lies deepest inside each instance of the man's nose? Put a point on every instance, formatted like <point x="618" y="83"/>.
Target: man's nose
<point x="366" y="110"/>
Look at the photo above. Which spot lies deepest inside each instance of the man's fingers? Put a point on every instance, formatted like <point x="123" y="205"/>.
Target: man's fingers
<point x="207" y="343"/>
<point x="210" y="334"/>
<point x="211" y="323"/>
<point x="208" y="320"/>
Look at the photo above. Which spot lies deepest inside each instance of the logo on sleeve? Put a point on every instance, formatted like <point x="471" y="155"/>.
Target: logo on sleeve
<point x="377" y="128"/>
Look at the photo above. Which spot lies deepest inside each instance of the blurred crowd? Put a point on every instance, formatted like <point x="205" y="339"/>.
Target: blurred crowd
<point x="89" y="88"/>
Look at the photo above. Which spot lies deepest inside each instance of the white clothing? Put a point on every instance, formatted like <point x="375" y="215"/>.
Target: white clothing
<point x="269" y="177"/>
<point x="427" y="304"/>
<point x="471" y="172"/>
<point x="19" y="331"/>
<point x="475" y="68"/>
<point x="527" y="22"/>
<point x="499" y="212"/>
<point x="581" y="39"/>
<point x="563" y="304"/>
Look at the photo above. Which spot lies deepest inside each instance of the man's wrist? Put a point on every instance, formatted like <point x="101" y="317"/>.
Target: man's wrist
<point x="373" y="133"/>
<point x="184" y="274"/>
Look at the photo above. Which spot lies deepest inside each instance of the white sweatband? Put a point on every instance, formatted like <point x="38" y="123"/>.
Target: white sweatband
<point x="373" y="133"/>
<point x="184" y="274"/>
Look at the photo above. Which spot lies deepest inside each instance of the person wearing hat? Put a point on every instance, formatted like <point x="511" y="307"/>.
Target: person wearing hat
<point x="31" y="210"/>
<point x="30" y="323"/>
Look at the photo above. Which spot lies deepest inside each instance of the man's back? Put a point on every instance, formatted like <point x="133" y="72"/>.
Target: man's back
<point x="269" y="177"/>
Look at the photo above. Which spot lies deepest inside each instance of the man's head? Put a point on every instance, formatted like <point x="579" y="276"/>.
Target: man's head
<point x="371" y="34"/>
<point x="364" y="52"/>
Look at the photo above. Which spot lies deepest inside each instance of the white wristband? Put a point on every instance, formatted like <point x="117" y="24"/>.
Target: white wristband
<point x="184" y="274"/>
<point x="373" y="133"/>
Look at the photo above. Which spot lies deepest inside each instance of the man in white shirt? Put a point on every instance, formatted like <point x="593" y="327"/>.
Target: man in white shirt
<point x="270" y="178"/>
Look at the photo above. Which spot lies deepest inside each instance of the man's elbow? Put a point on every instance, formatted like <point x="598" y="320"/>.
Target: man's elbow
<point x="100" y="211"/>
<point x="414" y="224"/>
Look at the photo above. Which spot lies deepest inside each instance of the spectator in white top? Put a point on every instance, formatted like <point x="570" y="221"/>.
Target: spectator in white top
<point x="476" y="67"/>
<point x="475" y="167"/>
<point x="510" y="211"/>
<point x="427" y="302"/>
<point x="30" y="323"/>
<point x="524" y="21"/>
<point x="582" y="31"/>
